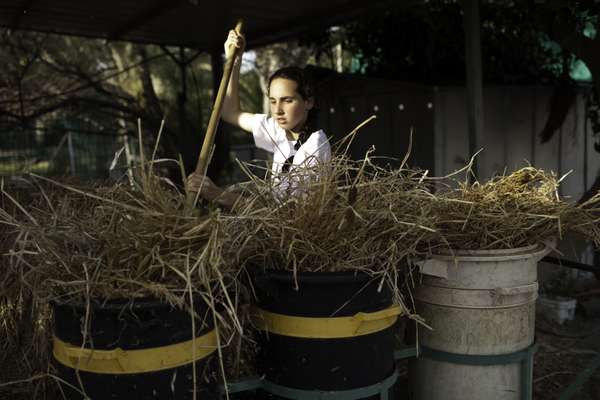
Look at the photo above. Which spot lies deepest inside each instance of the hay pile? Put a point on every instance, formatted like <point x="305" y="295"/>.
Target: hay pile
<point x="24" y="333"/>
<point x="359" y="217"/>
<point x="516" y="210"/>
<point x="354" y="217"/>
<point x="25" y="350"/>
<point x="113" y="242"/>
<point x="77" y="244"/>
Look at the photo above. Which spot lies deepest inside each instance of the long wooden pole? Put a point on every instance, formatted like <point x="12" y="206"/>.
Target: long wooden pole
<point x="215" y="116"/>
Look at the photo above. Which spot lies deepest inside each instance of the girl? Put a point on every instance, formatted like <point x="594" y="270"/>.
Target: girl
<point x="289" y="132"/>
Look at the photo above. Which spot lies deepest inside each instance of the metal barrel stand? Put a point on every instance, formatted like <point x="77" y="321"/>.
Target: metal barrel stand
<point x="524" y="356"/>
<point x="381" y="389"/>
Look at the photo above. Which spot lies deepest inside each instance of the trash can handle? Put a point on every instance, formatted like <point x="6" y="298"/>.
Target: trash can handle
<point x="377" y="315"/>
<point x="510" y="291"/>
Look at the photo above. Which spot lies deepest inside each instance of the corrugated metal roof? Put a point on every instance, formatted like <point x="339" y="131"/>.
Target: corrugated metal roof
<point x="191" y="23"/>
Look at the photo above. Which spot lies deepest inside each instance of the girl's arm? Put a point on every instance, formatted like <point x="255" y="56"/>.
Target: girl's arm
<point x="232" y="112"/>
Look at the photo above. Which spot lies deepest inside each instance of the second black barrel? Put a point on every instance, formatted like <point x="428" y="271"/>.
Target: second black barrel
<point x="324" y="331"/>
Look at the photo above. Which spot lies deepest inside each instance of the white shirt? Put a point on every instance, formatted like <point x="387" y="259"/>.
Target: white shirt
<point x="268" y="135"/>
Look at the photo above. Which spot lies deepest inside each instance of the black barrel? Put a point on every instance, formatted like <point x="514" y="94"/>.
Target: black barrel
<point x="316" y="363"/>
<point x="147" y="336"/>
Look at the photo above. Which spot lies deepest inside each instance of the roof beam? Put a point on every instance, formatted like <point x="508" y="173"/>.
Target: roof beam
<point x="214" y="19"/>
<point x="289" y="30"/>
<point x="156" y="10"/>
<point x="20" y="14"/>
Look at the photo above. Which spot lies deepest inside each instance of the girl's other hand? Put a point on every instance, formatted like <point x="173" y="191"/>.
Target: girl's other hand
<point x="203" y="184"/>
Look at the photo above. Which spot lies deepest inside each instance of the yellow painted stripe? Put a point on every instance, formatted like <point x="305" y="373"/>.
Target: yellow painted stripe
<point x="326" y="328"/>
<point x="119" y="361"/>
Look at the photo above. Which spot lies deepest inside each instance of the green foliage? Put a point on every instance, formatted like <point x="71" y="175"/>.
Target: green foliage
<point x="251" y="95"/>
<point x="426" y="43"/>
<point x="251" y="100"/>
<point x="521" y="42"/>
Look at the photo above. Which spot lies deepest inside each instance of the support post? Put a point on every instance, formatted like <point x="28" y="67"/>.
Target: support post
<point x="474" y="77"/>
<point x="71" y="153"/>
<point x="182" y="96"/>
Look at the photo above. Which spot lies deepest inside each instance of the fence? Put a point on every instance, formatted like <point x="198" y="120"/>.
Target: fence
<point x="76" y="153"/>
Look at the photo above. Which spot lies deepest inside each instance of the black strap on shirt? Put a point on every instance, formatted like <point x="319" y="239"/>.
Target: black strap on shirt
<point x="290" y="161"/>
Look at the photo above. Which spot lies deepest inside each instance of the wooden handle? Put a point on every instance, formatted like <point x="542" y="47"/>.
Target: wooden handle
<point x="215" y="116"/>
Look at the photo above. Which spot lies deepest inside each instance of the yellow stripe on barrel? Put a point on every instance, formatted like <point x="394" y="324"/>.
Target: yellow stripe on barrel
<point x="119" y="361"/>
<point x="326" y="328"/>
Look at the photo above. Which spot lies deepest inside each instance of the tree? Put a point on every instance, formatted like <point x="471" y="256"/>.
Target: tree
<point x="49" y="79"/>
<point x="425" y="42"/>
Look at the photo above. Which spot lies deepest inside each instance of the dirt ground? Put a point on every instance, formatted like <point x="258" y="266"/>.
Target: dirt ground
<point x="565" y="351"/>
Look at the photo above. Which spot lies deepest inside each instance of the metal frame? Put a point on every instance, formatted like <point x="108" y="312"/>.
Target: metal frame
<point x="524" y="356"/>
<point x="381" y="388"/>
<point x="255" y="383"/>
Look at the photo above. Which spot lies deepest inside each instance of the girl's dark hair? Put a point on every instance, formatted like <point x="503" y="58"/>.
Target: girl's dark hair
<point x="305" y="84"/>
<point x="306" y="90"/>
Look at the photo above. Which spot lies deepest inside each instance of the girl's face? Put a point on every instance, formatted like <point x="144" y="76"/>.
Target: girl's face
<point x="288" y="108"/>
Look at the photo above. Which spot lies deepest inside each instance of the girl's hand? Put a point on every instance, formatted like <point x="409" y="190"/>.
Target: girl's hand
<point x="203" y="184"/>
<point x="234" y="41"/>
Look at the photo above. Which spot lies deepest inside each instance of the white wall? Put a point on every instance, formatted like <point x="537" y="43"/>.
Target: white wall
<point x="513" y="119"/>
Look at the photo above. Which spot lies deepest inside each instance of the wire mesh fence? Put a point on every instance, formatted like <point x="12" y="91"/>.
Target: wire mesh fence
<point x="66" y="152"/>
